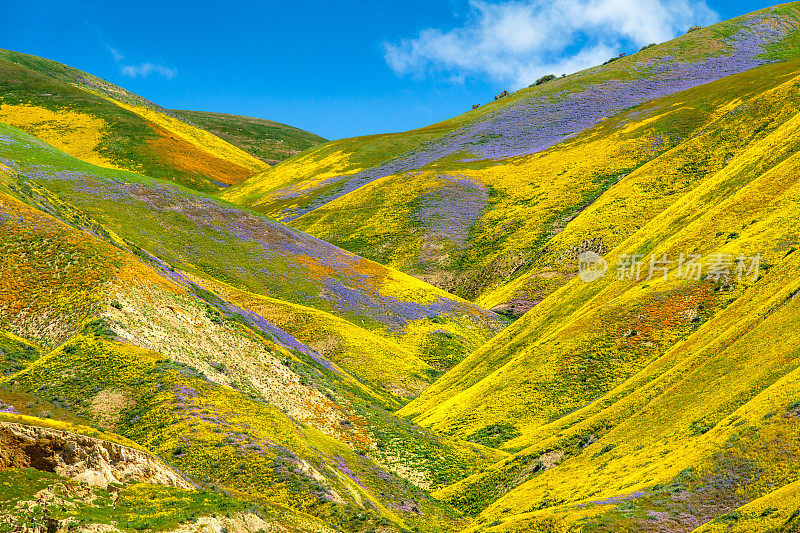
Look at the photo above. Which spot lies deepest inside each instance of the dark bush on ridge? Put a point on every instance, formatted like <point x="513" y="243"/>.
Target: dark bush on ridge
<point x="623" y="54"/>
<point x="545" y="79"/>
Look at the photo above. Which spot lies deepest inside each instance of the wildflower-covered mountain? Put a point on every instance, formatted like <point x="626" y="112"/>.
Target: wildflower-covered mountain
<point x="271" y="142"/>
<point x="172" y="359"/>
<point x="106" y="125"/>
<point x="469" y="203"/>
<point x="261" y="364"/>
<point x="122" y="309"/>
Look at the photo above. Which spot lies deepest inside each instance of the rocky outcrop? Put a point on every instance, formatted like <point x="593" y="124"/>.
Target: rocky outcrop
<point x="81" y="458"/>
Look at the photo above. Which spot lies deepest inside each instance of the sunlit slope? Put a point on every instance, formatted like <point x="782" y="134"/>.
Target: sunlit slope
<point x="584" y="339"/>
<point x="330" y="376"/>
<point x="220" y="436"/>
<point x="102" y="124"/>
<point x="58" y="471"/>
<point x="659" y="404"/>
<point x="198" y="234"/>
<point x="26" y="495"/>
<point x="212" y="388"/>
<point x="269" y="141"/>
<point x="717" y="123"/>
<point x="468" y="204"/>
<point x="704" y="429"/>
<point x="385" y="363"/>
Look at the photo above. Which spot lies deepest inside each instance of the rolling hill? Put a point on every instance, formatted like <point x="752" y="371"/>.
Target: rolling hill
<point x="174" y="359"/>
<point x="469" y="204"/>
<point x="106" y="125"/>
<point x="269" y="141"/>
<point x="138" y="305"/>
<point x="135" y="344"/>
<point x="623" y="403"/>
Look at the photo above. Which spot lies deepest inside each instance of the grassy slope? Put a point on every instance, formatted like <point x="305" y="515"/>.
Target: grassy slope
<point x="752" y="145"/>
<point x="212" y="408"/>
<point x="698" y="433"/>
<point x="200" y="235"/>
<point x="470" y="218"/>
<point x="129" y="507"/>
<point x="269" y="141"/>
<point x="706" y="117"/>
<point x="632" y="406"/>
<point x="133" y="508"/>
<point x="676" y="400"/>
<point x="106" y="125"/>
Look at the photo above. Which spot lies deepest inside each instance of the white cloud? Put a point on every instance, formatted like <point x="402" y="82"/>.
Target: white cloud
<point x="117" y="56"/>
<point x="142" y="70"/>
<point x="518" y="41"/>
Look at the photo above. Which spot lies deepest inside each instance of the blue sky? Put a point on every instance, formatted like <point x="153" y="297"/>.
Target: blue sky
<point x="341" y="68"/>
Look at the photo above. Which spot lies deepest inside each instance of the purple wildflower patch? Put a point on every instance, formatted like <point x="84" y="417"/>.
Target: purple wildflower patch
<point x="449" y="211"/>
<point x="6" y="408"/>
<point x="537" y="122"/>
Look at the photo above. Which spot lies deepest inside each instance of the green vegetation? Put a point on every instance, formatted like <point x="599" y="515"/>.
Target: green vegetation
<point x="129" y="508"/>
<point x="103" y="124"/>
<point x="15" y="353"/>
<point x="494" y="435"/>
<point x="271" y="142"/>
<point x="297" y="385"/>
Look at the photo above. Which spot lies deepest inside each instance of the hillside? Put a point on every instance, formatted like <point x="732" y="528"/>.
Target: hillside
<point x="663" y="204"/>
<point x="106" y="125"/>
<point x="132" y="344"/>
<point x="573" y="309"/>
<point x="469" y="204"/>
<point x="271" y="142"/>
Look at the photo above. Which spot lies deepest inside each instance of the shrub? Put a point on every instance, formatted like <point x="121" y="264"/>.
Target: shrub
<point x="475" y="106"/>
<point x="545" y="79"/>
<point x="647" y="46"/>
<point x="605" y="449"/>
<point x="733" y="516"/>
<point x="494" y="435"/>
<point x="219" y="367"/>
<point x="694" y="28"/>
<point x="501" y="95"/>
<point x="623" y="54"/>
<point x="214" y="315"/>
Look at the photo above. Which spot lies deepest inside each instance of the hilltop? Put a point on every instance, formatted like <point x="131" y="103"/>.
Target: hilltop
<point x="469" y="203"/>
<point x="269" y="141"/>
<point x="106" y="125"/>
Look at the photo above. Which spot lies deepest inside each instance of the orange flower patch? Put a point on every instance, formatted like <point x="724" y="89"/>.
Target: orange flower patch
<point x="51" y="274"/>
<point x="196" y="163"/>
<point x="667" y="311"/>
